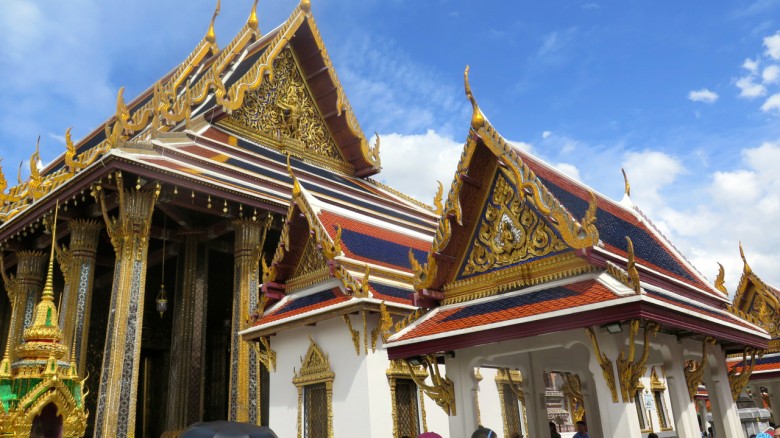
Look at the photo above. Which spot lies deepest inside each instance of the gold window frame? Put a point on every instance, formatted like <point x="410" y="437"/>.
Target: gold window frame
<point x="647" y="420"/>
<point x="658" y="388"/>
<point x="315" y="368"/>
<point x="397" y="370"/>
<point x="511" y="380"/>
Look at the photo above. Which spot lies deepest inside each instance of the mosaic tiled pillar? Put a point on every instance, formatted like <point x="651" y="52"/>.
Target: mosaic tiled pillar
<point x="244" y="402"/>
<point x="26" y="288"/>
<point x="188" y="343"/>
<point x="129" y="232"/>
<point x="78" y="265"/>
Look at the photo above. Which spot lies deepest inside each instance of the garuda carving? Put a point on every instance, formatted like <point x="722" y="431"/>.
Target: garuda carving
<point x="283" y="109"/>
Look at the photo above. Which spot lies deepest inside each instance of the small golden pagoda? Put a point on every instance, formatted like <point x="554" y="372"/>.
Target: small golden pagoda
<point x="40" y="392"/>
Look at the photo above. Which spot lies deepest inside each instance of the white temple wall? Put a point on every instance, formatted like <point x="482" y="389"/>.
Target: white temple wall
<point x="361" y="392"/>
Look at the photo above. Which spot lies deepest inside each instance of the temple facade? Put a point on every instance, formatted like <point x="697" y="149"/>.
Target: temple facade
<point x="218" y="250"/>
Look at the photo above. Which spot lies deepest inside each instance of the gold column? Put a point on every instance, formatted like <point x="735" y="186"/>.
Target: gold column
<point x="78" y="266"/>
<point x="188" y="342"/>
<point x="24" y="290"/>
<point x="244" y="402"/>
<point x="129" y="233"/>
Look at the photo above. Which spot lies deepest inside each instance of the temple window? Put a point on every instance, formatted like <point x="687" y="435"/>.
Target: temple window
<point x="641" y="413"/>
<point x="315" y="395"/>
<point x="511" y="396"/>
<point x="407" y="399"/>
<point x="659" y="388"/>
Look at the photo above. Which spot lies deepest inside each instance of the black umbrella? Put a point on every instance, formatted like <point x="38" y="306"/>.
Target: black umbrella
<point x="227" y="429"/>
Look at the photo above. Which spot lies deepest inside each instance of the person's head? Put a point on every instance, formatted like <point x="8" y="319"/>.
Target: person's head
<point x="553" y="427"/>
<point x="652" y="435"/>
<point x="483" y="432"/>
<point x="582" y="427"/>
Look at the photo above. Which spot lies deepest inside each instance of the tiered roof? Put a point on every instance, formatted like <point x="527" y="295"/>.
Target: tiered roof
<point x="333" y="260"/>
<point x="522" y="249"/>
<point x="760" y="301"/>
<point x="277" y="90"/>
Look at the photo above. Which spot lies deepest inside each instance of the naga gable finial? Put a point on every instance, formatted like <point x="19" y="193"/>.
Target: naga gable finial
<point x="211" y="35"/>
<point x="720" y="282"/>
<point x="477" y="119"/>
<point x="34" y="159"/>
<point x="633" y="272"/>
<point x="625" y="180"/>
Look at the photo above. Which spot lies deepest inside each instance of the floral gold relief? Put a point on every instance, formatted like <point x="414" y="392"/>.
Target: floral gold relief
<point x="510" y="231"/>
<point x="284" y="111"/>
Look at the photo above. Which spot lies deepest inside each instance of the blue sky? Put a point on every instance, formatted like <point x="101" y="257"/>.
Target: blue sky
<point x="682" y="94"/>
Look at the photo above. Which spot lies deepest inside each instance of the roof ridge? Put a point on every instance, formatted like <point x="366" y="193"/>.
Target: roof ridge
<point x="659" y="233"/>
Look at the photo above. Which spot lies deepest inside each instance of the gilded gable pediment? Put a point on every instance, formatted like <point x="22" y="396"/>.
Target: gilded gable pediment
<point x="282" y="113"/>
<point x="312" y="267"/>
<point x="510" y="231"/>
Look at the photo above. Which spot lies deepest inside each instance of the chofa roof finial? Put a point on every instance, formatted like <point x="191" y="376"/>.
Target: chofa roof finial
<point x="211" y="35"/>
<point x="252" y="21"/>
<point x="477" y="118"/>
<point x="746" y="269"/>
<point x="625" y="180"/>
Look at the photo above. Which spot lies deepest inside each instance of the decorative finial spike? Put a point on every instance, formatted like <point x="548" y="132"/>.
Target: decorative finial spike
<point x="211" y="35"/>
<point x="477" y="119"/>
<point x="296" y="184"/>
<point x="48" y="289"/>
<point x="305" y="5"/>
<point x="252" y="21"/>
<point x="633" y="272"/>
<point x="747" y="268"/>
<point x="720" y="282"/>
<point x="625" y="180"/>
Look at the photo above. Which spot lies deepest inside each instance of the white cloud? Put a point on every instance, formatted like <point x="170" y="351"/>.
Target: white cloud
<point x="771" y="74"/>
<point x="413" y="163"/>
<point x="703" y="95"/>
<point x="750" y="89"/>
<point x="649" y="172"/>
<point x="392" y="92"/>
<point x="751" y="65"/>
<point x="546" y="134"/>
<point x="772" y="44"/>
<point x="772" y="103"/>
<point x="569" y="169"/>
<point x="741" y="204"/>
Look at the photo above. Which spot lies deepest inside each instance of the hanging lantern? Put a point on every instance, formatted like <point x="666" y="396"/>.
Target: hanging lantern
<point x="162" y="301"/>
<point x="162" y="298"/>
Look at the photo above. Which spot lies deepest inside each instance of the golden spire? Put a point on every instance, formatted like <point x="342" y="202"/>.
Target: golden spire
<point x="42" y="338"/>
<point x="305" y="5"/>
<point x="211" y="36"/>
<point x="625" y="180"/>
<point x="5" y="364"/>
<point x="252" y="21"/>
<point x="746" y="269"/>
<point x="477" y="119"/>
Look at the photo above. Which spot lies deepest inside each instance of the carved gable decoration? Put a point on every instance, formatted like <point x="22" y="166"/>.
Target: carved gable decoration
<point x="315" y="367"/>
<point x="755" y="298"/>
<point x="312" y="267"/>
<point x="509" y="232"/>
<point x="282" y="112"/>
